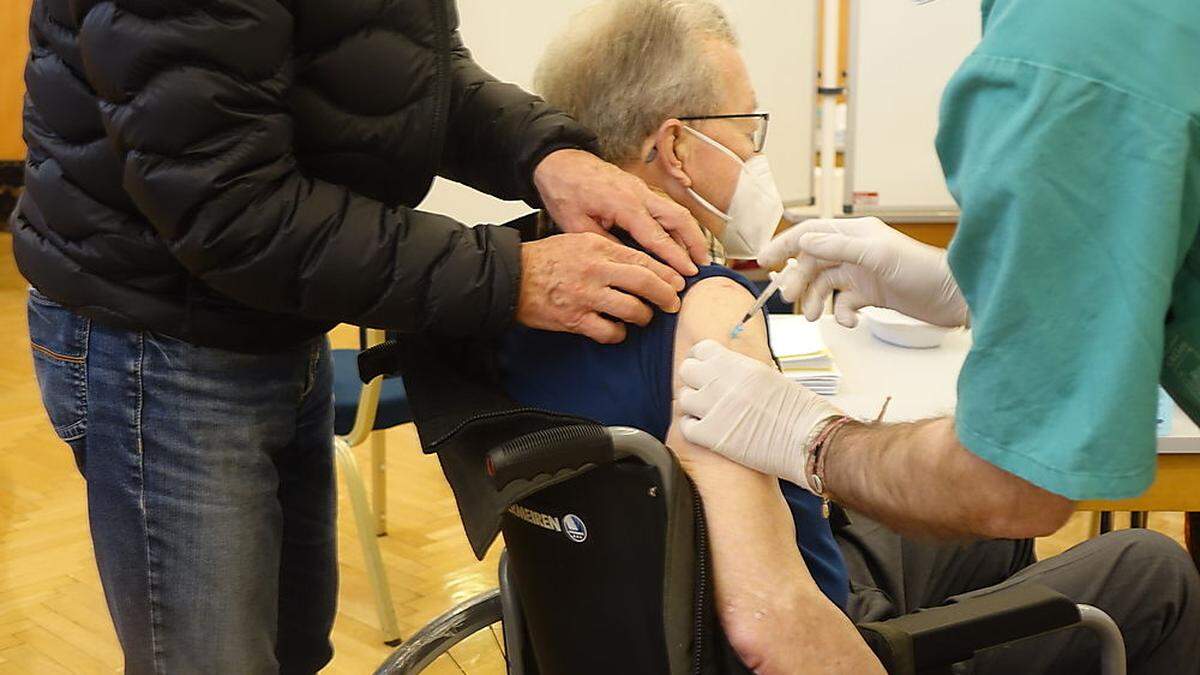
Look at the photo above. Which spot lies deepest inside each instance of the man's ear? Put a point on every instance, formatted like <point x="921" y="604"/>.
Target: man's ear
<point x="669" y="151"/>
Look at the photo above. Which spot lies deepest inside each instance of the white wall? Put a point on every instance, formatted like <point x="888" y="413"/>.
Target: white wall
<point x="779" y="42"/>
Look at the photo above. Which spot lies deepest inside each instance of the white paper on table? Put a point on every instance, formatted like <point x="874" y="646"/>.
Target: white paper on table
<point x="794" y="336"/>
<point x="802" y="353"/>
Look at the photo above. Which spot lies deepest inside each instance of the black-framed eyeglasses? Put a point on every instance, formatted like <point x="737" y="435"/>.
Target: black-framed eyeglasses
<point x="760" y="124"/>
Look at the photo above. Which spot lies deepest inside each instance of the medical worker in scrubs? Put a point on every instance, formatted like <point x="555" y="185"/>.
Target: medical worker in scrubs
<point x="1070" y="139"/>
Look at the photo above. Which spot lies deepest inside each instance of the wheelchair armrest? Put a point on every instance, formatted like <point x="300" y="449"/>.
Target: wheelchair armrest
<point x="571" y="447"/>
<point x="574" y="447"/>
<point x="944" y="635"/>
<point x="548" y="452"/>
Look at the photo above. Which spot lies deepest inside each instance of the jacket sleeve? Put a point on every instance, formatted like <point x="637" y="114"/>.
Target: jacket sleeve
<point x="193" y="94"/>
<point x="498" y="132"/>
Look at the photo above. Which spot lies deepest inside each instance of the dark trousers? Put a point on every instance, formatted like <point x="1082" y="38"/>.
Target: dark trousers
<point x="1146" y="582"/>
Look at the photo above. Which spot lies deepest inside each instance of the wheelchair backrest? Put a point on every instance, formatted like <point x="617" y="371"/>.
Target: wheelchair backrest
<point x="621" y="587"/>
<point x="611" y="572"/>
<point x="587" y="559"/>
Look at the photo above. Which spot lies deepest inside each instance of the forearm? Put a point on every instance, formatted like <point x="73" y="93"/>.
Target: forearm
<point x="752" y="538"/>
<point x="918" y="478"/>
<point x="772" y="611"/>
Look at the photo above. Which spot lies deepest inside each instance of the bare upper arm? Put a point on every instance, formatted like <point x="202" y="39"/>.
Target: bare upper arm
<point x="710" y="310"/>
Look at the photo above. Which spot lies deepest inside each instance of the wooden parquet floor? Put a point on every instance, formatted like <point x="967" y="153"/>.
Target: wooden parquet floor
<point x="52" y="613"/>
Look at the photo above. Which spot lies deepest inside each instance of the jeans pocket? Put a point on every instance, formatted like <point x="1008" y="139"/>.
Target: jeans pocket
<point x="59" y="338"/>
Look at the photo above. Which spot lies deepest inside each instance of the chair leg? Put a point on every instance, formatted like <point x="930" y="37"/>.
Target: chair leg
<point x="379" y="480"/>
<point x="364" y="523"/>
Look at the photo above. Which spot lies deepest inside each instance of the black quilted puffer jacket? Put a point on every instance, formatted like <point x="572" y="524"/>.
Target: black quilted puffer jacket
<point x="238" y="173"/>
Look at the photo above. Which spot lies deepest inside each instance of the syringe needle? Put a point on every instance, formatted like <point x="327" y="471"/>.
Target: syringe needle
<point x="761" y="300"/>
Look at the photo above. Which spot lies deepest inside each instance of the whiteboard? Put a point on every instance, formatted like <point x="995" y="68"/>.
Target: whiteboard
<point x="779" y="44"/>
<point x="901" y="57"/>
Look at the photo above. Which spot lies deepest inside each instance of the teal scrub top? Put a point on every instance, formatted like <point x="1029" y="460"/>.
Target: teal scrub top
<point x="1070" y="140"/>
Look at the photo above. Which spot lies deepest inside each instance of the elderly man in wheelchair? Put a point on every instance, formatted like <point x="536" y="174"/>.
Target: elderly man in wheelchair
<point x="616" y="564"/>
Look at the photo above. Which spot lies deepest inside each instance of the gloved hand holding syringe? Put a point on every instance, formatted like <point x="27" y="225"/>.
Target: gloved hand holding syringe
<point x="868" y="263"/>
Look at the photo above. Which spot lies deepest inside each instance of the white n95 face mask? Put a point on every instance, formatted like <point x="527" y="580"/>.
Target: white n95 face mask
<point x="755" y="209"/>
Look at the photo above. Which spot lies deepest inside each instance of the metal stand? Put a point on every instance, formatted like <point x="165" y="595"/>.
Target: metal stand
<point x="829" y="90"/>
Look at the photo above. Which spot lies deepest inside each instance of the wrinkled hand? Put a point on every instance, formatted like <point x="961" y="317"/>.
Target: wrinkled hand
<point x="871" y="264"/>
<point x="586" y="194"/>
<point x="749" y="412"/>
<point x="568" y="280"/>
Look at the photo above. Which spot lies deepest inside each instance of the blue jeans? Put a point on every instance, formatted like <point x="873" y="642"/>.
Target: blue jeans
<point x="210" y="487"/>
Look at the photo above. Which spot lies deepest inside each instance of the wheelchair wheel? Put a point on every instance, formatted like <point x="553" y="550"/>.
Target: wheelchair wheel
<point x="478" y="620"/>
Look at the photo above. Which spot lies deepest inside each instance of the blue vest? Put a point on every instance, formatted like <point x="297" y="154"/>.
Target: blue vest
<point x="629" y="384"/>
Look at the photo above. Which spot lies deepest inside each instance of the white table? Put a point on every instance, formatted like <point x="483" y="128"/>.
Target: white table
<point x="922" y="383"/>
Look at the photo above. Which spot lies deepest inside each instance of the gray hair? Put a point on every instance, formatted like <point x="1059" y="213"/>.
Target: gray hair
<point x="623" y="66"/>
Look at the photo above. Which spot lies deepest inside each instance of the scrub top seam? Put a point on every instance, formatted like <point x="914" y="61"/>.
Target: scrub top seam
<point x="1087" y="78"/>
<point x="1072" y="484"/>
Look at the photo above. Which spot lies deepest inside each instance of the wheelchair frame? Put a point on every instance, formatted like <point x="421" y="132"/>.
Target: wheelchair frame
<point x="928" y="641"/>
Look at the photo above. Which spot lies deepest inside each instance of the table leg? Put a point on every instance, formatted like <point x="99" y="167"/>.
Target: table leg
<point x="1191" y="535"/>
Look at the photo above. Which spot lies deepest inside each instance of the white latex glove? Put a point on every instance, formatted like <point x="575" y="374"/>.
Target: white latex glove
<point x="750" y="412"/>
<point x="871" y="264"/>
<point x="796" y="216"/>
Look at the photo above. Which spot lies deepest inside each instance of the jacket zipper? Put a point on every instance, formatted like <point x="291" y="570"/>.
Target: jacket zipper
<point x="701" y="578"/>
<point x="441" y="108"/>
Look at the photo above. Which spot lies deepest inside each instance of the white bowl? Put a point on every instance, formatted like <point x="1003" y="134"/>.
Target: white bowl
<point x="902" y="330"/>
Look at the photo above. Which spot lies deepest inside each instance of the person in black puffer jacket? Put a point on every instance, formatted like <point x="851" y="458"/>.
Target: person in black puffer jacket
<point x="210" y="186"/>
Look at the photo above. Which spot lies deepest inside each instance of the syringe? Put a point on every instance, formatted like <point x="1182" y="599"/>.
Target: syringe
<point x="762" y="298"/>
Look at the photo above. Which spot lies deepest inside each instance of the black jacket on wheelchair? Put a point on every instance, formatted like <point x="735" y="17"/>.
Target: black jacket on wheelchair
<point x="607" y="546"/>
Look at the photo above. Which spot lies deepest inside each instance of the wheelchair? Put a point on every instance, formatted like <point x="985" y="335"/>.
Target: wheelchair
<point x="606" y="571"/>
